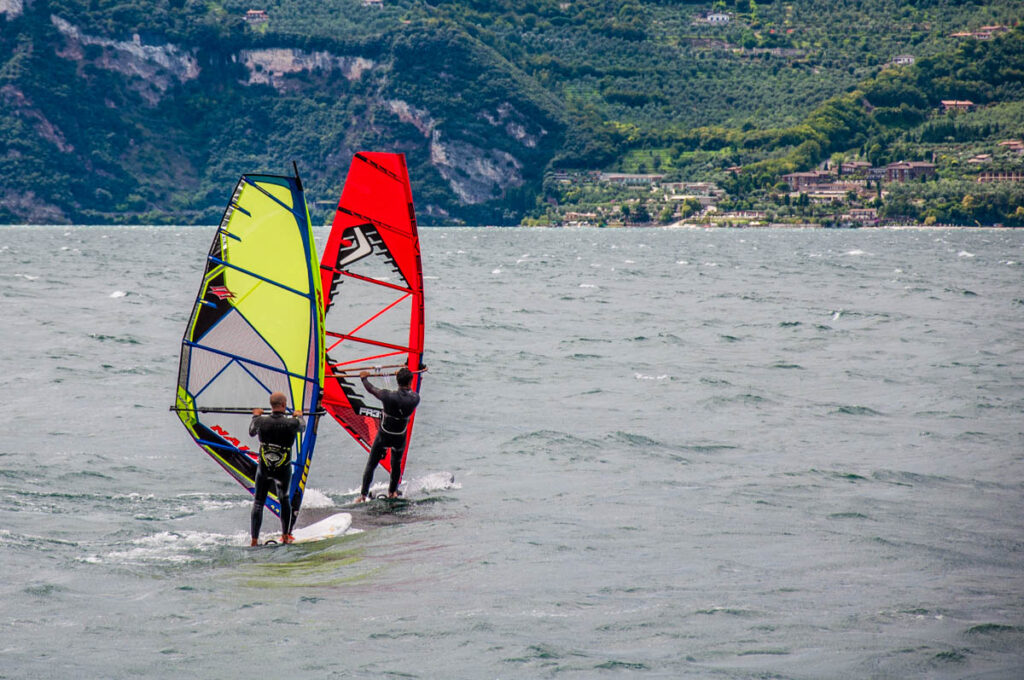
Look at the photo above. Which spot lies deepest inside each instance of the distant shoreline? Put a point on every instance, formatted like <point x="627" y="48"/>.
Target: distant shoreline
<point x="708" y="227"/>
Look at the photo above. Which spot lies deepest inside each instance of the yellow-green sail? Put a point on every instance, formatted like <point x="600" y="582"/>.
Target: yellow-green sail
<point x="256" y="328"/>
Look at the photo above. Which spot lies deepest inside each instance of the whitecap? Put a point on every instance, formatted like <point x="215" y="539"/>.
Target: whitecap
<point x="433" y="481"/>
<point x="496" y="271"/>
<point x="855" y="251"/>
<point x="27" y="277"/>
<point x="587" y="285"/>
<point x="641" y="376"/>
<point x="118" y="294"/>
<point x="168" y="547"/>
<point x="964" y="253"/>
<point x="315" y="498"/>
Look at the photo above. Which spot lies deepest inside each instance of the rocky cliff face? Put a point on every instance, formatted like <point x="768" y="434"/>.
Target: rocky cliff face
<point x="465" y="150"/>
<point x="12" y="8"/>
<point x="475" y="174"/>
<point x="150" y="69"/>
<point x="270" y="66"/>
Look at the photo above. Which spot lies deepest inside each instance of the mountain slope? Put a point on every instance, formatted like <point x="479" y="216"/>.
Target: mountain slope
<point x="145" y="111"/>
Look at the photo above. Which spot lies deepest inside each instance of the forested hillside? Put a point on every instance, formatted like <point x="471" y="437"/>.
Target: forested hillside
<point x="148" y="111"/>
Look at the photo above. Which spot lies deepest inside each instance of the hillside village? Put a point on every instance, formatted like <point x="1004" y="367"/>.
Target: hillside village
<point x="840" y="194"/>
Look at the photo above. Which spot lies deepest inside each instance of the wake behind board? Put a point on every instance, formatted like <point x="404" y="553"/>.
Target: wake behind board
<point x="378" y="500"/>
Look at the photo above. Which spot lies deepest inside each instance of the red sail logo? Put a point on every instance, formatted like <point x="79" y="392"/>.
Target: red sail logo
<point x="227" y="436"/>
<point x="221" y="291"/>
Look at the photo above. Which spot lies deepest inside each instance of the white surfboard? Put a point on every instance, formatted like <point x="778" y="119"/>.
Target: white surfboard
<point x="329" y="527"/>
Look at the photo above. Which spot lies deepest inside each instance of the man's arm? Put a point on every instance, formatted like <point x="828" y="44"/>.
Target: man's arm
<point x="254" y="424"/>
<point x="364" y="376"/>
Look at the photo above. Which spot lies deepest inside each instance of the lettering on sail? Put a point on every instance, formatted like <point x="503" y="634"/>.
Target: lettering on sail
<point x="228" y="438"/>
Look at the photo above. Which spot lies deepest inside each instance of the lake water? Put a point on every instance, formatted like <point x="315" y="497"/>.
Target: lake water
<point x="676" y="453"/>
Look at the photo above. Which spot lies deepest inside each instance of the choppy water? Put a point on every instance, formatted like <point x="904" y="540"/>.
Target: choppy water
<point x="708" y="454"/>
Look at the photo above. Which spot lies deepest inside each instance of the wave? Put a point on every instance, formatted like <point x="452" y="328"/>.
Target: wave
<point x="119" y="339"/>
<point x="850" y="410"/>
<point x="547" y="440"/>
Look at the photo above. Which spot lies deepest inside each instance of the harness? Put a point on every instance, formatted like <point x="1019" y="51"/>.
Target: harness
<point x="404" y="421"/>
<point x="274" y="455"/>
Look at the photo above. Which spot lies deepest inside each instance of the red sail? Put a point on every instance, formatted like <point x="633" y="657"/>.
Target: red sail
<point x="373" y="292"/>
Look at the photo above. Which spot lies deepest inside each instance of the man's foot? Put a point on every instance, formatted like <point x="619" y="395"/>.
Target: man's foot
<point x="255" y="542"/>
<point x="394" y="494"/>
<point x="287" y="538"/>
<point x="361" y="499"/>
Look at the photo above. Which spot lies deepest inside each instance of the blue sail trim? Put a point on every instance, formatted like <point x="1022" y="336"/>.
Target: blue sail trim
<point x="227" y="233"/>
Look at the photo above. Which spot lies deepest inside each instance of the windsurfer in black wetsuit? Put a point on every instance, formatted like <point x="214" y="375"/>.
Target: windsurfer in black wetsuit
<point x="277" y="433"/>
<point x="398" y="408"/>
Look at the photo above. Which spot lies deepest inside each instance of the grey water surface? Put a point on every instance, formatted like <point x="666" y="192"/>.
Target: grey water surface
<point x="676" y="454"/>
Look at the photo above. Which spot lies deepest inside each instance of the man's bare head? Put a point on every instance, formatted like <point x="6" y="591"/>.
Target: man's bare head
<point x="278" y="401"/>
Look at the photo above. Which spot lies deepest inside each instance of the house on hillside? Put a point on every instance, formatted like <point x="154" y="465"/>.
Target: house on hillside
<point x="959" y="105"/>
<point x="858" y="217"/>
<point x="257" y="16"/>
<point x="373" y="3"/>
<point x="905" y="171"/>
<point x="580" y="219"/>
<point x="855" y="168"/>
<point x="864" y="214"/>
<point x="718" y="18"/>
<point x="801" y="181"/>
<point x="989" y="32"/>
<point x="705" y="193"/>
<point x="1001" y="177"/>
<point x="903" y="59"/>
<point x="631" y="179"/>
<point x="983" y="33"/>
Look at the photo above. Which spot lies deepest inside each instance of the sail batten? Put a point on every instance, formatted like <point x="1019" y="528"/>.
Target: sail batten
<point x="256" y="328"/>
<point x="242" y="359"/>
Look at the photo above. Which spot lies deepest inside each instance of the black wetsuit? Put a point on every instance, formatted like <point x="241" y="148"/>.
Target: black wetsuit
<point x="278" y="429"/>
<point x="398" y="407"/>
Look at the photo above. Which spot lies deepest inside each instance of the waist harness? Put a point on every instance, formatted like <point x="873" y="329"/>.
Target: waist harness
<point x="404" y="422"/>
<point x="274" y="455"/>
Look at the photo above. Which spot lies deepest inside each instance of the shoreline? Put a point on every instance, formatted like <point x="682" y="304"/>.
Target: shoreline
<point x="736" y="227"/>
